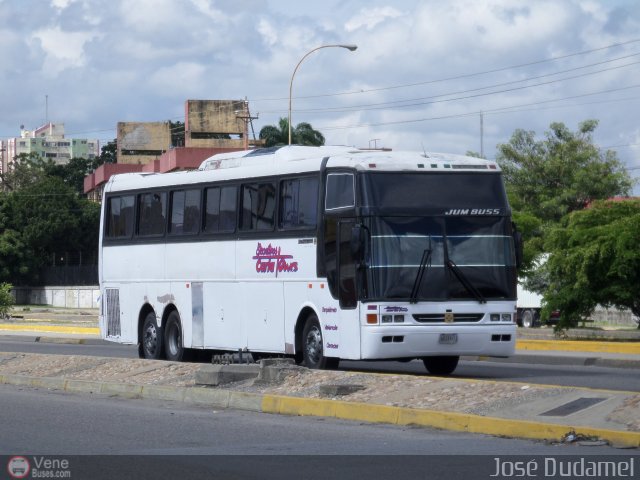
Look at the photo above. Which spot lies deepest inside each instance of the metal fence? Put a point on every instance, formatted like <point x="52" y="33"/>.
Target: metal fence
<point x="70" y="268"/>
<point x="79" y="275"/>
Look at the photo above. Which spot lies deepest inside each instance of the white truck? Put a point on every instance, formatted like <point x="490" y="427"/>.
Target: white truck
<point x="528" y="309"/>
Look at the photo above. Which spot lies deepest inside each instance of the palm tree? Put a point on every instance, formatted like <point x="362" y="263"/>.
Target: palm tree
<point x="302" y="134"/>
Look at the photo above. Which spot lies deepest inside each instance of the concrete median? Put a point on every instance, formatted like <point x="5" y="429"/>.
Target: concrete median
<point x="494" y="408"/>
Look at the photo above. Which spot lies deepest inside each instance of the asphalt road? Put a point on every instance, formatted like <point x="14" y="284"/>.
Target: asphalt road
<point x="566" y="375"/>
<point x="621" y="379"/>
<point x="54" y="423"/>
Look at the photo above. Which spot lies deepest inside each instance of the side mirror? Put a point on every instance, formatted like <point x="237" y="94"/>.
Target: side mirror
<point x="358" y="236"/>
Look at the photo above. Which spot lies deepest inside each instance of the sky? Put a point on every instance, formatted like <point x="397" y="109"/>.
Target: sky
<point x="441" y="76"/>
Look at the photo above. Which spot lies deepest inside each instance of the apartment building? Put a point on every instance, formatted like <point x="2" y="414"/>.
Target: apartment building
<point x="48" y="142"/>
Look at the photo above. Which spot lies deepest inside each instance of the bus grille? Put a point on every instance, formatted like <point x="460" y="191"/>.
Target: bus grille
<point x="113" y="312"/>
<point x="439" y="317"/>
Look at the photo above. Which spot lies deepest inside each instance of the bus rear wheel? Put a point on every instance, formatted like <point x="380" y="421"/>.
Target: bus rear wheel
<point x="173" y="345"/>
<point x="440" y="365"/>
<point x="312" y="346"/>
<point x="151" y="338"/>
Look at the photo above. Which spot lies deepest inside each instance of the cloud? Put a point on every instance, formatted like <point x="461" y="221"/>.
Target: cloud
<point x="61" y="4"/>
<point x="189" y="76"/>
<point x="370" y="18"/>
<point x="268" y="32"/>
<point x="63" y="49"/>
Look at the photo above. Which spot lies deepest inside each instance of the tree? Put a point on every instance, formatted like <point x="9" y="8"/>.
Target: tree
<point x="41" y="218"/>
<point x="302" y="134"/>
<point x="6" y="300"/>
<point x="550" y="178"/>
<point x="26" y="169"/>
<point x="594" y="260"/>
<point x="560" y="174"/>
<point x="108" y="154"/>
<point x="177" y="133"/>
<point x="71" y="173"/>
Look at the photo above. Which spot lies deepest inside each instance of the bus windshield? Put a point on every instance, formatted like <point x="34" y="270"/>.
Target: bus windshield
<point x="451" y="241"/>
<point x="479" y="246"/>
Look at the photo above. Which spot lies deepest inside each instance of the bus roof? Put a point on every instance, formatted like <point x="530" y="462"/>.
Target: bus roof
<point x="298" y="159"/>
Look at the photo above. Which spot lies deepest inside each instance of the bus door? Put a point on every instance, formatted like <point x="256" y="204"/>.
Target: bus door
<point x="337" y="262"/>
<point x="347" y="268"/>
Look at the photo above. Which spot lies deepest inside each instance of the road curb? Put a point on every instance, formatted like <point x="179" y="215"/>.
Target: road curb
<point x="550" y="359"/>
<point x="451" y="421"/>
<point x="594" y="346"/>
<point x="352" y="411"/>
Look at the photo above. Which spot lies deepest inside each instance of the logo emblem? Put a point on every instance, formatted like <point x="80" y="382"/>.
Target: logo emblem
<point x="270" y="259"/>
<point x="18" y="467"/>
<point x="448" y="317"/>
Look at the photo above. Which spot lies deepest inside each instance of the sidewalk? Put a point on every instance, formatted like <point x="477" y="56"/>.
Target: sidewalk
<point x="557" y="414"/>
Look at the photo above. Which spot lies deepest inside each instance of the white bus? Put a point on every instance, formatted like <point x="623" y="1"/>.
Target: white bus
<point x="318" y="253"/>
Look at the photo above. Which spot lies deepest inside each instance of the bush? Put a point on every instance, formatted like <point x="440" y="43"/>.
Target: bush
<point x="6" y="299"/>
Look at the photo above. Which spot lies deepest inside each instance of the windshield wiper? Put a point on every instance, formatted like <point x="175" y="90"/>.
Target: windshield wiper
<point x="465" y="281"/>
<point x="425" y="262"/>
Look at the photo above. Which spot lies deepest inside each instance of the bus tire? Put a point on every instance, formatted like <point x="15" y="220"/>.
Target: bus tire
<point x="312" y="346"/>
<point x="444" y="365"/>
<point x="152" y="341"/>
<point x="173" y="341"/>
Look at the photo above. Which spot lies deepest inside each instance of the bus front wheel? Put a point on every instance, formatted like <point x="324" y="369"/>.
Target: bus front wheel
<point x="440" y="365"/>
<point x="312" y="346"/>
<point x="151" y="338"/>
<point x="173" y="345"/>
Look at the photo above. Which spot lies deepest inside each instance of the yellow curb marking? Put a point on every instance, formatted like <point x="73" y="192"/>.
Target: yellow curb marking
<point x="580" y="346"/>
<point x="51" y="329"/>
<point x="453" y="421"/>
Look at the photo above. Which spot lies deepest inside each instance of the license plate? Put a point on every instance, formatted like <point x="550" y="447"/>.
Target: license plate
<point x="448" y="338"/>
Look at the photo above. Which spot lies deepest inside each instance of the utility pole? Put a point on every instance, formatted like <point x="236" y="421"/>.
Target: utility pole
<point x="246" y="117"/>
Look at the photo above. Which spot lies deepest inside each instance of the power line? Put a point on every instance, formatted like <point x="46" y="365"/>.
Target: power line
<point x="437" y="98"/>
<point x="458" y="77"/>
<point x="475" y="113"/>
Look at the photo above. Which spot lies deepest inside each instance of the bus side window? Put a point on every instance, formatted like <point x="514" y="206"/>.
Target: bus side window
<point x="340" y="191"/>
<point x="120" y="217"/>
<point x="298" y="203"/>
<point x="228" y="208"/>
<point x="185" y="212"/>
<point x="151" y="213"/>
<point x="220" y="209"/>
<point x="258" y="207"/>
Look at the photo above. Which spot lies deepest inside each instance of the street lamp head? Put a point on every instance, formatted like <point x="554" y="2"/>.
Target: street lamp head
<point x="349" y="47"/>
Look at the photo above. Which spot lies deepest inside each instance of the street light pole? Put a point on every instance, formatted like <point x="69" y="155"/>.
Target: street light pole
<point x="348" y="47"/>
